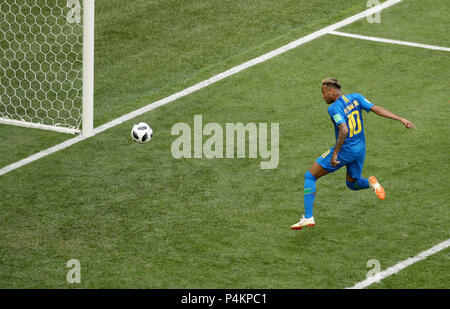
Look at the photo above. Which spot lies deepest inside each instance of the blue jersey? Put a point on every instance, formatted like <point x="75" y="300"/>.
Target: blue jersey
<point x="348" y="109"/>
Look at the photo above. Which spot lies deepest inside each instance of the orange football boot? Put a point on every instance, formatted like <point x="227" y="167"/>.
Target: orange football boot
<point x="373" y="183"/>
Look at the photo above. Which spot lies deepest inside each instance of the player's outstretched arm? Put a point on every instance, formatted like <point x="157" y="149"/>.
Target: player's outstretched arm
<point x="380" y="111"/>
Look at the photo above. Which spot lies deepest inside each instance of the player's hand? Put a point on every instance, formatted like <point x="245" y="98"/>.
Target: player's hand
<point x="408" y="124"/>
<point x="334" y="160"/>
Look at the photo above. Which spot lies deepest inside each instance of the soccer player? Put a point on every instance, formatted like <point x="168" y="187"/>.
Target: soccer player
<point x="350" y="148"/>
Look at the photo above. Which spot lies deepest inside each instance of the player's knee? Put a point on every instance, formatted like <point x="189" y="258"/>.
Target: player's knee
<point x="309" y="176"/>
<point x="310" y="183"/>
<point x="352" y="185"/>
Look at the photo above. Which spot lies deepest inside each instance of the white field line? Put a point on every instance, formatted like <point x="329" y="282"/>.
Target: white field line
<point x="396" y="268"/>
<point x="201" y="85"/>
<point x="375" y="39"/>
<point x="26" y="124"/>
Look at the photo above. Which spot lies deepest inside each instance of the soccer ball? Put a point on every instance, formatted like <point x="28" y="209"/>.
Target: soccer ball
<point x="141" y="132"/>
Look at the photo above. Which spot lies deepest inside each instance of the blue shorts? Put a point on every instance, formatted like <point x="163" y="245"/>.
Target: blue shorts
<point x="354" y="162"/>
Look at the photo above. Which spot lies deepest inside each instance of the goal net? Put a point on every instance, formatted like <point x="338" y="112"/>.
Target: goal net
<point x="46" y="64"/>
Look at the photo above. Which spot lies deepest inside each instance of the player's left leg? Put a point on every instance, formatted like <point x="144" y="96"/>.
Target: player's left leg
<point x="309" y="189"/>
<point x="319" y="168"/>
<point x="309" y="193"/>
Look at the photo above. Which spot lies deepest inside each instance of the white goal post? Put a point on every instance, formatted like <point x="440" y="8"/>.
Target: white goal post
<point x="47" y="64"/>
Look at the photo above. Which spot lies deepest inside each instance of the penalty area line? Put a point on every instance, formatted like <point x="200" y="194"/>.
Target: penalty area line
<point x="402" y="265"/>
<point x="202" y="84"/>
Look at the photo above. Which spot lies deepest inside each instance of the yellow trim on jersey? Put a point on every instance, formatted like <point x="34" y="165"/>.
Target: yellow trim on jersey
<point x="325" y="153"/>
<point x="345" y="99"/>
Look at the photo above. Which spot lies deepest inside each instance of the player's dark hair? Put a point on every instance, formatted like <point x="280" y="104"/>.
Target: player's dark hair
<point x="331" y="82"/>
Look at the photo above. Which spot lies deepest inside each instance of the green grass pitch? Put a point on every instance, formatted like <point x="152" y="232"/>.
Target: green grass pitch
<point x="135" y="217"/>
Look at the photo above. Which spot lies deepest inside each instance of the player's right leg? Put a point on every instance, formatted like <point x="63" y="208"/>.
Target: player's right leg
<point x="355" y="182"/>
<point x="359" y="183"/>
<point x="363" y="183"/>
